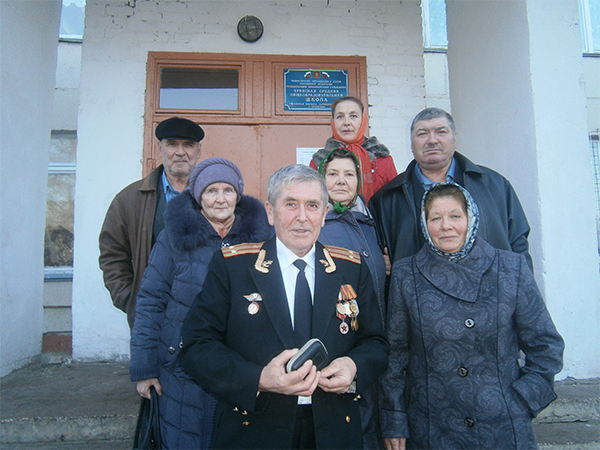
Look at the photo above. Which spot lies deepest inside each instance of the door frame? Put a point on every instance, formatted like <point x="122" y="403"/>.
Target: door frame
<point x="260" y="90"/>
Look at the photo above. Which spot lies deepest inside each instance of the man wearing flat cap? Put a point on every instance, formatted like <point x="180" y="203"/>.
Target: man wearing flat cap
<point x="135" y="217"/>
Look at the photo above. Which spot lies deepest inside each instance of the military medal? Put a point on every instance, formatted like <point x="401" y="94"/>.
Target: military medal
<point x="253" y="307"/>
<point x="344" y="327"/>
<point x="347" y="307"/>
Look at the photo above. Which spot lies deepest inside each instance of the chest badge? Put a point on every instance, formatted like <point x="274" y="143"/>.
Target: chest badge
<point x="347" y="308"/>
<point x="254" y="306"/>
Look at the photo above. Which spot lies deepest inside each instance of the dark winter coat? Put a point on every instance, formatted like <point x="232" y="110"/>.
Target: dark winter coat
<point x="455" y="330"/>
<point x="356" y="231"/>
<point x="396" y="208"/>
<point x="175" y="275"/>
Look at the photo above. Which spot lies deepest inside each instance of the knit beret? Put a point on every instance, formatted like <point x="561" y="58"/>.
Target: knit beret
<point x="215" y="170"/>
<point x="179" y="128"/>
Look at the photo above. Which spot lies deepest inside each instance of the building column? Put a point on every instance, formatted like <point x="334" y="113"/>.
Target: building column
<point x="515" y="70"/>
<point x="29" y="41"/>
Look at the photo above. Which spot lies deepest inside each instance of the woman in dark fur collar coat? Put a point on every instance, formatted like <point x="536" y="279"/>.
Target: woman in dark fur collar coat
<point x="212" y="214"/>
<point x="348" y="124"/>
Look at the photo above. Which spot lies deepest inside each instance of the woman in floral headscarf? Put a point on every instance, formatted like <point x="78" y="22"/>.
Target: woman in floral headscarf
<point x="349" y="224"/>
<point x="460" y="312"/>
<point x="348" y="124"/>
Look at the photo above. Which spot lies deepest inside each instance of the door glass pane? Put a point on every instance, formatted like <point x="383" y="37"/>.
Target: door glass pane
<point x="199" y="88"/>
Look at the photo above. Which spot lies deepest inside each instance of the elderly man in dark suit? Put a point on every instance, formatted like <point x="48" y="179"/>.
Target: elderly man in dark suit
<point x="248" y="323"/>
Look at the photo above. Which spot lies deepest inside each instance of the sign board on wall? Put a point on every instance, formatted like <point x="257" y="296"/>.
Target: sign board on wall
<point x="304" y="154"/>
<point x="313" y="90"/>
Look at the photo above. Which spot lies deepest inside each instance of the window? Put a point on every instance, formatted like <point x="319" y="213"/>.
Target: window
<point x="435" y="36"/>
<point x="58" y="243"/>
<point x="72" y="18"/>
<point x="182" y="88"/>
<point x="589" y="18"/>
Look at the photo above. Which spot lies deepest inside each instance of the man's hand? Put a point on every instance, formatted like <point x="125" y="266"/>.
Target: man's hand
<point x="299" y="382"/>
<point x="338" y="375"/>
<point x="395" y="443"/>
<point x="143" y="387"/>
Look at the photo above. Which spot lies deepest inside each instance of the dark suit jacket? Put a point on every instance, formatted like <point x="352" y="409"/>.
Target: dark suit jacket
<point x="225" y="347"/>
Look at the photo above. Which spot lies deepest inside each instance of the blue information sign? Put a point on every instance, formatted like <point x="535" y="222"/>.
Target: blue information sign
<point x="310" y="90"/>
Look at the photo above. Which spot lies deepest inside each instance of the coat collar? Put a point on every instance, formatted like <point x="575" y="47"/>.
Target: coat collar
<point x="151" y="181"/>
<point x="462" y="279"/>
<point x="405" y="177"/>
<point x="188" y="229"/>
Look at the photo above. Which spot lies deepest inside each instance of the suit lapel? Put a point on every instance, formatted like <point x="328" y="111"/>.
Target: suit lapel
<point x="271" y="288"/>
<point x="327" y="287"/>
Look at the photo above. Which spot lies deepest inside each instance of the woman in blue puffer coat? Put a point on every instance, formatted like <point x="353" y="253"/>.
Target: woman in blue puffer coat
<point x="211" y="215"/>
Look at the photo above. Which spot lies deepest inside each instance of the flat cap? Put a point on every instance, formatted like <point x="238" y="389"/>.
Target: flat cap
<point x="179" y="128"/>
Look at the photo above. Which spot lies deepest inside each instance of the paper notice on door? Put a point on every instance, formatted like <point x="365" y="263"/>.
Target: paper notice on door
<point x="304" y="154"/>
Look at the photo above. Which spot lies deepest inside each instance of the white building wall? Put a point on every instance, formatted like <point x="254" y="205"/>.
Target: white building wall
<point x="517" y="96"/>
<point x="437" y="85"/>
<point x="66" y="92"/>
<point x="28" y="37"/>
<point x="118" y="36"/>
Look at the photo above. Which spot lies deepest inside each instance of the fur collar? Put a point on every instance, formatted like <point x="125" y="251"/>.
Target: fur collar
<point x="374" y="148"/>
<point x="187" y="229"/>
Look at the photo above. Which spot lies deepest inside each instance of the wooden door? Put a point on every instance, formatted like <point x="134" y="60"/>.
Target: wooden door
<point x="250" y="123"/>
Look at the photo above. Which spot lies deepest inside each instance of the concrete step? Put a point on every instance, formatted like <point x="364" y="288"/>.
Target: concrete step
<point x="578" y="400"/>
<point x="91" y="402"/>
<point x="568" y="436"/>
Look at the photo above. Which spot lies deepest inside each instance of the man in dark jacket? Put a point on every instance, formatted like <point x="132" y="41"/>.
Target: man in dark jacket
<point x="260" y="302"/>
<point x="135" y="217"/>
<point x="396" y="207"/>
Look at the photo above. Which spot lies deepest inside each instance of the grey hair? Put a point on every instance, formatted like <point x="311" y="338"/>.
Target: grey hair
<point x="432" y="113"/>
<point x="292" y="174"/>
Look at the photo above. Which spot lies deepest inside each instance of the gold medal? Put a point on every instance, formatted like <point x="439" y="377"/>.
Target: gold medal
<point x="353" y="307"/>
<point x="354" y="324"/>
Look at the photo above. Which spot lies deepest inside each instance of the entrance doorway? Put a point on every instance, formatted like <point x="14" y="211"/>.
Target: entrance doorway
<point x="243" y="104"/>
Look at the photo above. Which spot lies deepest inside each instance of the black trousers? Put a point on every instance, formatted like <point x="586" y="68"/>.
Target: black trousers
<point x="304" y="429"/>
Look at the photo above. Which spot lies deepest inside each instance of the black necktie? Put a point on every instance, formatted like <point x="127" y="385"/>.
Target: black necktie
<point x="302" y="306"/>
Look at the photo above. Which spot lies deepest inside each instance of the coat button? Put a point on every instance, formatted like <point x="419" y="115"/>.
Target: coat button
<point x="246" y="424"/>
<point x="347" y="419"/>
<point x="463" y="372"/>
<point x="171" y="350"/>
<point x="469" y="323"/>
<point x="365" y="253"/>
<point x="470" y="423"/>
